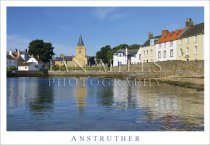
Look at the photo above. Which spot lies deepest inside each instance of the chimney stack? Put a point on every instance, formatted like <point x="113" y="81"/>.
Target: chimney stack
<point x="150" y="35"/>
<point x="10" y="52"/>
<point x="165" y="32"/>
<point x="188" y="22"/>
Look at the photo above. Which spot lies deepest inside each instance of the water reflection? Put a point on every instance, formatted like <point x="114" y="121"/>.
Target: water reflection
<point x="104" y="94"/>
<point x="80" y="92"/>
<point x="42" y="95"/>
<point x="34" y="105"/>
<point x="170" y="106"/>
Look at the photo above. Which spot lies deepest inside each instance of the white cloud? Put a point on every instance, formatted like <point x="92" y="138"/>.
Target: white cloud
<point x="108" y="13"/>
<point x="103" y="13"/>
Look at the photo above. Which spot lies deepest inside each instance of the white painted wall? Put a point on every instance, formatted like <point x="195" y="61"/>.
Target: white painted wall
<point x="28" y="68"/>
<point x="167" y="48"/>
<point x="117" y="60"/>
<point x="135" y="59"/>
<point x="32" y="59"/>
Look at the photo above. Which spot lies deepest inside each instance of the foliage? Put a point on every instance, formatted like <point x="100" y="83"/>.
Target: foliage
<point x="134" y="46"/>
<point x="42" y="49"/>
<point x="106" y="53"/>
<point x="56" y="67"/>
<point x="12" y="68"/>
<point x="62" y="68"/>
<point x="103" y="54"/>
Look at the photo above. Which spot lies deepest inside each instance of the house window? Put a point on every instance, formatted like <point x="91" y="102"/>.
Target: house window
<point x="151" y="52"/>
<point x="144" y="53"/>
<point x="140" y="56"/>
<point x="159" y="54"/>
<point x="180" y="41"/>
<point x="165" y="44"/>
<point x="160" y="45"/>
<point x="195" y="38"/>
<point x="164" y="54"/>
<point x="180" y="52"/>
<point x="147" y="52"/>
<point x="187" y="40"/>
<point x="171" y="53"/>
<point x="196" y="50"/>
<point x="120" y="54"/>
<point x="187" y="50"/>
<point x="171" y="43"/>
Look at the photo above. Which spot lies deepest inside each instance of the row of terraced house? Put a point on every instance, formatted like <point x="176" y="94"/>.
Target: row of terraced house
<point x="184" y="44"/>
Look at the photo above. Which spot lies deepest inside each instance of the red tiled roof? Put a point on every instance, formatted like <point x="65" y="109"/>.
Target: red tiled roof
<point x="174" y="35"/>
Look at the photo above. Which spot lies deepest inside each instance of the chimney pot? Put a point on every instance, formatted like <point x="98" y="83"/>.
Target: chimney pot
<point x="150" y="35"/>
<point x="188" y="22"/>
<point x="165" y="32"/>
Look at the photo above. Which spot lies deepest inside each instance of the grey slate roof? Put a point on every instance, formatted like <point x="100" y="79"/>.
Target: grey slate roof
<point x="10" y="57"/>
<point x="66" y="58"/>
<point x="147" y="43"/>
<point x="131" y="52"/>
<point x="193" y="30"/>
<point x="20" y="61"/>
<point x="80" y="42"/>
<point x="26" y="64"/>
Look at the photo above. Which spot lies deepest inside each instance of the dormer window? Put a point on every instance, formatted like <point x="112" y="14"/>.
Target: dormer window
<point x="171" y="43"/>
<point x="120" y="54"/>
<point x="152" y="42"/>
<point x="187" y="40"/>
<point x="195" y="38"/>
<point x="160" y="45"/>
<point x="180" y="41"/>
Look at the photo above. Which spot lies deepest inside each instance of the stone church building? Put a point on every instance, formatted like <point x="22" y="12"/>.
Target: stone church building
<point x="80" y="59"/>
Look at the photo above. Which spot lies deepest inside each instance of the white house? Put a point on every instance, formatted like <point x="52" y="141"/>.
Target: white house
<point x="28" y="66"/>
<point x="120" y="57"/>
<point x="37" y="61"/>
<point x="166" y="47"/>
<point x="134" y="55"/>
<point x="124" y="56"/>
<point x="11" y="61"/>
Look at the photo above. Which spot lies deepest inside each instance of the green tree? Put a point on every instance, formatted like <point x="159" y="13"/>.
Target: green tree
<point x="134" y="46"/>
<point x="103" y="54"/>
<point x="42" y="49"/>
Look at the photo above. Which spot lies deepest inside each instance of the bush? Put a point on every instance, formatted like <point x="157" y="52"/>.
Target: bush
<point x="12" y="68"/>
<point x="56" y="67"/>
<point x="62" y="68"/>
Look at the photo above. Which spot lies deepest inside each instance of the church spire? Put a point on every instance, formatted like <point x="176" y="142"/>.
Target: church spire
<point x="80" y="43"/>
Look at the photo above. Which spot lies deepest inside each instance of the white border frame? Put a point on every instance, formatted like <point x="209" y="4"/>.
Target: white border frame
<point x="146" y="137"/>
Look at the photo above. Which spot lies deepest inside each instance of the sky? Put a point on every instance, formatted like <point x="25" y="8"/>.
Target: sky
<point x="99" y="26"/>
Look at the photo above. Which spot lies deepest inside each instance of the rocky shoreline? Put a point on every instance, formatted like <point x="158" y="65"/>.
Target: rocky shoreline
<point x="194" y="82"/>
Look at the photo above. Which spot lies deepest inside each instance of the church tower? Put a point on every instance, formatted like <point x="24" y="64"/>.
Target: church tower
<point x="81" y="56"/>
<point x="80" y="49"/>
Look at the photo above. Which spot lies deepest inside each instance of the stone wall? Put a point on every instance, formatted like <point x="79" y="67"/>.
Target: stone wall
<point x="167" y="68"/>
<point x="41" y="73"/>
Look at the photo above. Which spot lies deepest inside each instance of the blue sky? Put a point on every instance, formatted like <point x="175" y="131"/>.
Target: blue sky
<point x="99" y="26"/>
